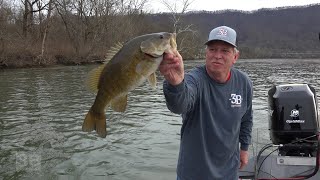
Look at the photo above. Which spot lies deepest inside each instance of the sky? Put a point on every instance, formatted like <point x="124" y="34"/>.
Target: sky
<point x="213" y="5"/>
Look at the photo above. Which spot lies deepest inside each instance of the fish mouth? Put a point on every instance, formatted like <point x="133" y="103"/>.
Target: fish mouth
<point x="152" y="55"/>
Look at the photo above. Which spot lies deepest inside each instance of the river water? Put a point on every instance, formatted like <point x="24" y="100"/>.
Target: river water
<point x="42" y="110"/>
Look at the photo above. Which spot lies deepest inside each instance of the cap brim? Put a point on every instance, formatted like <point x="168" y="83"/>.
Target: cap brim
<point x="219" y="40"/>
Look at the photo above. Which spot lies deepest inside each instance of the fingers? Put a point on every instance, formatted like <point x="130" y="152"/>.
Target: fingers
<point x="172" y="59"/>
<point x="243" y="164"/>
<point x="166" y="69"/>
<point x="169" y="62"/>
<point x="178" y="55"/>
<point x="172" y="68"/>
<point x="243" y="159"/>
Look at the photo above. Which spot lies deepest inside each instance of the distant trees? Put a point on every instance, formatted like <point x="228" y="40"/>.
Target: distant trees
<point x="77" y="31"/>
<point x="34" y="32"/>
<point x="67" y="31"/>
<point x="93" y="25"/>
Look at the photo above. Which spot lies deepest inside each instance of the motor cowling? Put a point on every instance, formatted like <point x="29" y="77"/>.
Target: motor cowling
<point x="293" y="115"/>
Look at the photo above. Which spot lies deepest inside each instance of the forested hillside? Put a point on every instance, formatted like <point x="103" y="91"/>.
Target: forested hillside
<point x="47" y="32"/>
<point x="291" y="32"/>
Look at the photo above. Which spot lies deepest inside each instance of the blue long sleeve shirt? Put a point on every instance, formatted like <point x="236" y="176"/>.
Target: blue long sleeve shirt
<point x="216" y="118"/>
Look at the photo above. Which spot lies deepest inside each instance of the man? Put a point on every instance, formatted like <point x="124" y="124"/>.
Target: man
<point x="215" y="101"/>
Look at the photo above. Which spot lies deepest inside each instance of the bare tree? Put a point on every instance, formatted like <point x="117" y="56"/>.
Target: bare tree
<point x="185" y="32"/>
<point x="83" y="20"/>
<point x="177" y="11"/>
<point x="91" y="24"/>
<point x="46" y="30"/>
<point x="30" y="8"/>
<point x="2" y="27"/>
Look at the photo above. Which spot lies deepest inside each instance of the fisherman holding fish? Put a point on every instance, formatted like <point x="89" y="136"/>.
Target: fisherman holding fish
<point x="215" y="101"/>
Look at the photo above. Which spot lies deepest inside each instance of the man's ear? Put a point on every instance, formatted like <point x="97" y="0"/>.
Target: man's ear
<point x="236" y="56"/>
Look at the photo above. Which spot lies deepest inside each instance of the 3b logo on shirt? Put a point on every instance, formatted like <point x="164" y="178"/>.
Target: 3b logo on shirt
<point x="235" y="100"/>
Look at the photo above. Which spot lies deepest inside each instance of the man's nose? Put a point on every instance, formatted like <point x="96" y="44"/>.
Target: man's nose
<point x="218" y="54"/>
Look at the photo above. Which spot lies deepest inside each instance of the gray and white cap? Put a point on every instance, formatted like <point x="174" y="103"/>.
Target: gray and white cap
<point x="223" y="33"/>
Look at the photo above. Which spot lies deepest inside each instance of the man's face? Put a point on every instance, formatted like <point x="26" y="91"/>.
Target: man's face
<point x="220" y="56"/>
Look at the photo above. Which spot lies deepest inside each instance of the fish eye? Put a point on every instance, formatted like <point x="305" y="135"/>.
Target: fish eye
<point x="161" y="36"/>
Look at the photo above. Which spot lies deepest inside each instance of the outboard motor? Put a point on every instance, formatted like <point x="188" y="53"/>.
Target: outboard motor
<point x="293" y="119"/>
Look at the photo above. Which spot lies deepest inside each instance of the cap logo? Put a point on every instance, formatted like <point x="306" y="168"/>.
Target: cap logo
<point x="222" y="32"/>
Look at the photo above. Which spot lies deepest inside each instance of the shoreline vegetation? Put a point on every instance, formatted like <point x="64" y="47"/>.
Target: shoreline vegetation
<point x="44" y="33"/>
<point x="36" y="62"/>
<point x="31" y="61"/>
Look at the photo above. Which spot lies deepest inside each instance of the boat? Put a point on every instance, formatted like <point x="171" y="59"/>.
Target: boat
<point x="294" y="151"/>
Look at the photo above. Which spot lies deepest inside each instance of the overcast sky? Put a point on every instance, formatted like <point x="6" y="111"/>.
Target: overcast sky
<point x="212" y="5"/>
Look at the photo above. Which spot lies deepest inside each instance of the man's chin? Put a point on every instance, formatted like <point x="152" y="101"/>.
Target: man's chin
<point x="214" y="70"/>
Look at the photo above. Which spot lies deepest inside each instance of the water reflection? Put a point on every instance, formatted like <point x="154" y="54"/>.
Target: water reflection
<point x="42" y="111"/>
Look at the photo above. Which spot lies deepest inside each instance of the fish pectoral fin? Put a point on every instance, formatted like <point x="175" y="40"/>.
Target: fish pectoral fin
<point x="153" y="80"/>
<point x="119" y="104"/>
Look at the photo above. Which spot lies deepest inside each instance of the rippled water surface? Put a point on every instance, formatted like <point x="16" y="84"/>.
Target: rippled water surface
<point x="42" y="110"/>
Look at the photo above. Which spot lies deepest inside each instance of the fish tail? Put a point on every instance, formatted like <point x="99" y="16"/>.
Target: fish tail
<point x="95" y="121"/>
<point x="101" y="128"/>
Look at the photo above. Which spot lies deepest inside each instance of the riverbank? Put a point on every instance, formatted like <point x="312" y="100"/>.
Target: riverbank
<point x="30" y="61"/>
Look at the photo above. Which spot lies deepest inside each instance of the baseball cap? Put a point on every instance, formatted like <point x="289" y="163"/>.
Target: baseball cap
<point x="223" y="33"/>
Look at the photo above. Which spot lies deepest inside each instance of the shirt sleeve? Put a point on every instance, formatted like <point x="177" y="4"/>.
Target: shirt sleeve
<point x="181" y="98"/>
<point x="247" y="122"/>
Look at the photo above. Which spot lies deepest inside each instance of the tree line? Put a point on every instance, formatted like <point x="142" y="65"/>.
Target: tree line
<point x="46" y="32"/>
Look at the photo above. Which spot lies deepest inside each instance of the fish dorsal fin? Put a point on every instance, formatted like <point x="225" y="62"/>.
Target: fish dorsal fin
<point x="93" y="78"/>
<point x="119" y="104"/>
<point x="153" y="80"/>
<point x="113" y="51"/>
